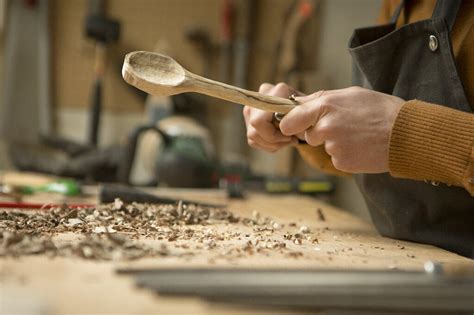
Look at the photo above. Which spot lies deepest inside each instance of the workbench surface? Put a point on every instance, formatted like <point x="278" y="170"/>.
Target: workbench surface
<point x="73" y="285"/>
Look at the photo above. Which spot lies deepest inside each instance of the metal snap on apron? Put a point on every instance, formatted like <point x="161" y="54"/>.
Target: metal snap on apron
<point x="415" y="62"/>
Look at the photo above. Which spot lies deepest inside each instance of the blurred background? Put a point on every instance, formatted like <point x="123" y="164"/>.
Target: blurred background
<point x="66" y="111"/>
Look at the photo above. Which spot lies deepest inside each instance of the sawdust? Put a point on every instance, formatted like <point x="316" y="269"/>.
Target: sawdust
<point x="116" y="232"/>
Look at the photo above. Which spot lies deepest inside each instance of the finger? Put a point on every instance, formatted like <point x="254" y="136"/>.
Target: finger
<point x="313" y="137"/>
<point x="262" y="123"/>
<point x="301" y="118"/>
<point x="270" y="147"/>
<point x="247" y="113"/>
<point x="284" y="90"/>
<point x="273" y="135"/>
<point x="258" y="142"/>
<point x="257" y="138"/>
<point x="265" y="88"/>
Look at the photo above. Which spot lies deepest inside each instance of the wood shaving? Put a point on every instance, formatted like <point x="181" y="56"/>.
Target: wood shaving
<point x="115" y="232"/>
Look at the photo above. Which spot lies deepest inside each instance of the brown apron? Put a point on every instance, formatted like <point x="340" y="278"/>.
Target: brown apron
<point x="415" y="61"/>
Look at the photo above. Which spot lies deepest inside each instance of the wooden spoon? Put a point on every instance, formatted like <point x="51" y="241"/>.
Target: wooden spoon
<point x="161" y="75"/>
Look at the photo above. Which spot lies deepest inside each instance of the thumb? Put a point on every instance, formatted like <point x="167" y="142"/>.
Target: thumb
<point x="300" y="118"/>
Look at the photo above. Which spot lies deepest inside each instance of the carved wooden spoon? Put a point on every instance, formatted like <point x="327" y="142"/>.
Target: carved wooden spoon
<point x="161" y="75"/>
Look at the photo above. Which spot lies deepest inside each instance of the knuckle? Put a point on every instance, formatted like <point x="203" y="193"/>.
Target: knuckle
<point x="264" y="87"/>
<point x="318" y="94"/>
<point x="327" y="101"/>
<point x="281" y="85"/>
<point x="255" y="121"/>
<point x="252" y="134"/>
<point x="281" y="89"/>
<point x="324" y="129"/>
<point x="332" y="148"/>
<point x="354" y="88"/>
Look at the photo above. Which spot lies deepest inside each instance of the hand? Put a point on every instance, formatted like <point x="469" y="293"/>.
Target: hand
<point x="261" y="133"/>
<point x="354" y="124"/>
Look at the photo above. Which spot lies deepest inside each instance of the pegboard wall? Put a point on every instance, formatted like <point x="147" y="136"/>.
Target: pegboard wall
<point x="144" y="23"/>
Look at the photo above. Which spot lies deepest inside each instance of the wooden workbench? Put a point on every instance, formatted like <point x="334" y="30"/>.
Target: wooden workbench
<point x="67" y="285"/>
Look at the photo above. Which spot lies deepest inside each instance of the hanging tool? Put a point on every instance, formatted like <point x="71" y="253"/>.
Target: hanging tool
<point x="286" y="59"/>
<point x="161" y="75"/>
<point x="104" y="31"/>
<point x="226" y="33"/>
<point x="201" y="39"/>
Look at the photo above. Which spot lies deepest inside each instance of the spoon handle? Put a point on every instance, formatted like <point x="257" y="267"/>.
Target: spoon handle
<point x="237" y="95"/>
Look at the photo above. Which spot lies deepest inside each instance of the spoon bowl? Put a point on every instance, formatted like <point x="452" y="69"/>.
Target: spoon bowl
<point x="159" y="74"/>
<point x="153" y="73"/>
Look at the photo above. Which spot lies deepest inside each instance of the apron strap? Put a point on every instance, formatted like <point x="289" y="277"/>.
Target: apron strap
<point x="447" y="10"/>
<point x="396" y="14"/>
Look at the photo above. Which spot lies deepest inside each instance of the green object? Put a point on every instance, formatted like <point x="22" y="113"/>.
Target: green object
<point x="66" y="187"/>
<point x="307" y="186"/>
<point x="189" y="146"/>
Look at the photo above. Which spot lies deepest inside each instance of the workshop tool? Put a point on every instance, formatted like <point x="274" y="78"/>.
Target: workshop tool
<point x="183" y="161"/>
<point x="161" y="75"/>
<point x="104" y="31"/>
<point x="18" y="183"/>
<point x="431" y="290"/>
<point x="201" y="39"/>
<point x="226" y="34"/>
<point x="286" y="59"/>
<point x="246" y="18"/>
<point x="91" y="165"/>
<point x="67" y="187"/>
<point x="109" y="192"/>
<point x="64" y="157"/>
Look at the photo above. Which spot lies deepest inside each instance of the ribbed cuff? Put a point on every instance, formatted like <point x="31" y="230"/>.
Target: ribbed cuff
<point x="431" y="142"/>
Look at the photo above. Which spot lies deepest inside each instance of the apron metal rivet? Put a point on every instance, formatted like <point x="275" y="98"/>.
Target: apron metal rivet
<point x="434" y="183"/>
<point x="433" y="43"/>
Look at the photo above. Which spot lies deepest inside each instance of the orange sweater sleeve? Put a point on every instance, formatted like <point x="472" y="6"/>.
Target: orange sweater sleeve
<point x="433" y="143"/>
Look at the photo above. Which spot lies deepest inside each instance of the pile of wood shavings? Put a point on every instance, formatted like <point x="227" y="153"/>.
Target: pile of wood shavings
<point x="92" y="246"/>
<point x="110" y="232"/>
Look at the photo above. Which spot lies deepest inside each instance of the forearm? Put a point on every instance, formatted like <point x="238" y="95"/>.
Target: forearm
<point x="434" y="143"/>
